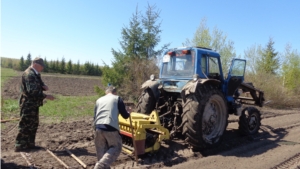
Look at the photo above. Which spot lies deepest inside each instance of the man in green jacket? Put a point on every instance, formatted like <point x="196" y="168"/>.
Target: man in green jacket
<point x="31" y="99"/>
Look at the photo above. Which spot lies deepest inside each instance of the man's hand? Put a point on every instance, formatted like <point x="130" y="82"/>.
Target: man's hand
<point x="50" y="97"/>
<point x="128" y="108"/>
<point x="45" y="88"/>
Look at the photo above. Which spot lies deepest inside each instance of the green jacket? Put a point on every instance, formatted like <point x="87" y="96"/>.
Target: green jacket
<point x="31" y="89"/>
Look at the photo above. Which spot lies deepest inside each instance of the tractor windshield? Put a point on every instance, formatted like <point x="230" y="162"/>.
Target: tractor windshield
<point x="178" y="64"/>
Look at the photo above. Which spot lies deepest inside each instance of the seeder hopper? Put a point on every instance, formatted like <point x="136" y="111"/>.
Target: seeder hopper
<point x="148" y="133"/>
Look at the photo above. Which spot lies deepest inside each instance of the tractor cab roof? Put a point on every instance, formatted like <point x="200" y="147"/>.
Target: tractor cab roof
<point x="201" y="49"/>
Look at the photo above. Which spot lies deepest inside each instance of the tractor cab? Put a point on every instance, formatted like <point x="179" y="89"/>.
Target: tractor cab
<point x="178" y="64"/>
<point x="183" y="63"/>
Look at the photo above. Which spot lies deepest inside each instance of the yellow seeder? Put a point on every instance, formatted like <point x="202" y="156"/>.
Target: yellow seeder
<point x="147" y="131"/>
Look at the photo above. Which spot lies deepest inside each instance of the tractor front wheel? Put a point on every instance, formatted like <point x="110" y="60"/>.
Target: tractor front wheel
<point x="249" y="121"/>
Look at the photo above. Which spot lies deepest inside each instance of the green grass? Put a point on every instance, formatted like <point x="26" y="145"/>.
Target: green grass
<point x="7" y="105"/>
<point x="65" y="108"/>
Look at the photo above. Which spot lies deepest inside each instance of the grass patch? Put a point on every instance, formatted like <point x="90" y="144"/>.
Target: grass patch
<point x="9" y="110"/>
<point x="65" y="108"/>
<point x="70" y="75"/>
<point x="10" y="105"/>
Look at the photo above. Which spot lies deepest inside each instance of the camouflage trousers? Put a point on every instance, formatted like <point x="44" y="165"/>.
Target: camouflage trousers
<point x="28" y="125"/>
<point x="108" y="146"/>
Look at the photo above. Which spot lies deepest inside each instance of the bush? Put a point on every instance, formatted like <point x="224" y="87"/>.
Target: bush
<point x="139" y="72"/>
<point x="274" y="90"/>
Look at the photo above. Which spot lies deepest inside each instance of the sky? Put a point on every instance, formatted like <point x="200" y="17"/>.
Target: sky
<point x="87" y="30"/>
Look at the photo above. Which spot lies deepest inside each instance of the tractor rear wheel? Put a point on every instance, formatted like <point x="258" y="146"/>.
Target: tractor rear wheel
<point x="205" y="117"/>
<point x="146" y="102"/>
<point x="249" y="121"/>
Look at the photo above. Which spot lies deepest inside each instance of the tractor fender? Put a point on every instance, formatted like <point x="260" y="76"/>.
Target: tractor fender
<point x="192" y="86"/>
<point x="153" y="85"/>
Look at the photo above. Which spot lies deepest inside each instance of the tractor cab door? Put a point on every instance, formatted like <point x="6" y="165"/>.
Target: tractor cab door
<point x="235" y="76"/>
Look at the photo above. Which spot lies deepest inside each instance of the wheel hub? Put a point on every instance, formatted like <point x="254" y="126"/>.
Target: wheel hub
<point x="252" y="122"/>
<point x="209" y="119"/>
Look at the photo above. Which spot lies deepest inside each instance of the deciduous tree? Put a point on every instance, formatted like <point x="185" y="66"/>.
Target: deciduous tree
<point x="215" y="40"/>
<point x="291" y="69"/>
<point x="252" y="56"/>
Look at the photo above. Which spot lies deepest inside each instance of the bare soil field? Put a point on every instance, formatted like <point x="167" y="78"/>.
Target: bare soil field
<point x="277" y="145"/>
<point x="58" y="84"/>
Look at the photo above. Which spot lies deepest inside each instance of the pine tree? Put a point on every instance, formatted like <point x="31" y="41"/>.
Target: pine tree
<point x="269" y="62"/>
<point x="132" y="36"/>
<point x="87" y="68"/>
<point x="139" y="41"/>
<point x="52" y="67"/>
<point x="57" y="66"/>
<point x="151" y="36"/>
<point x="46" y="68"/>
<point x="142" y="36"/>
<point x="62" y="66"/>
<point x="77" y="68"/>
<point x="98" y="70"/>
<point x="69" y="67"/>
<point x="22" y="64"/>
<point x="28" y="60"/>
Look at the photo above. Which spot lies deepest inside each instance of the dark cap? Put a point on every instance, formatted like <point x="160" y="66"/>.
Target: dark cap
<point x="39" y="61"/>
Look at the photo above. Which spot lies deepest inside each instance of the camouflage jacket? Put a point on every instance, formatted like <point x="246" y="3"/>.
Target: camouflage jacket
<point x="31" y="89"/>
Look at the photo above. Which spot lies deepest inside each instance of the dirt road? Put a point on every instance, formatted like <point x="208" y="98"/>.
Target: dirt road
<point x="276" y="146"/>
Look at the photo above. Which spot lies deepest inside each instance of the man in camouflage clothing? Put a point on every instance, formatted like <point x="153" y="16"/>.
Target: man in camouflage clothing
<point x="31" y="99"/>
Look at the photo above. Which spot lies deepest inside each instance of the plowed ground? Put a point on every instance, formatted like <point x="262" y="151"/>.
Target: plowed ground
<point x="277" y="145"/>
<point x="58" y="84"/>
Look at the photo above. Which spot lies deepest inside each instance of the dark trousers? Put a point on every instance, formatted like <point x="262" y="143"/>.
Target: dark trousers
<point x="28" y="126"/>
<point x="108" y="148"/>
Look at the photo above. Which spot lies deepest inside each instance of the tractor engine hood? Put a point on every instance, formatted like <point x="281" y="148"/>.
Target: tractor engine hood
<point x="173" y="85"/>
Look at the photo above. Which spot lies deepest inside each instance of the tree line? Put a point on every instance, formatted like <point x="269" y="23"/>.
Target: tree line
<point x="55" y="66"/>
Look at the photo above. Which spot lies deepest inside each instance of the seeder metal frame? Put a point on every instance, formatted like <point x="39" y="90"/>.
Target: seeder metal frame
<point x="141" y="124"/>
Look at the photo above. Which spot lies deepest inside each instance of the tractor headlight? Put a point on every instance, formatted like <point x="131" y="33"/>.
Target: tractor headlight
<point x="195" y="77"/>
<point x="152" y="77"/>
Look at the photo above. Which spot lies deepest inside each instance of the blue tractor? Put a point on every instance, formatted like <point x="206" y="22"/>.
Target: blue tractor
<point x="194" y="98"/>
